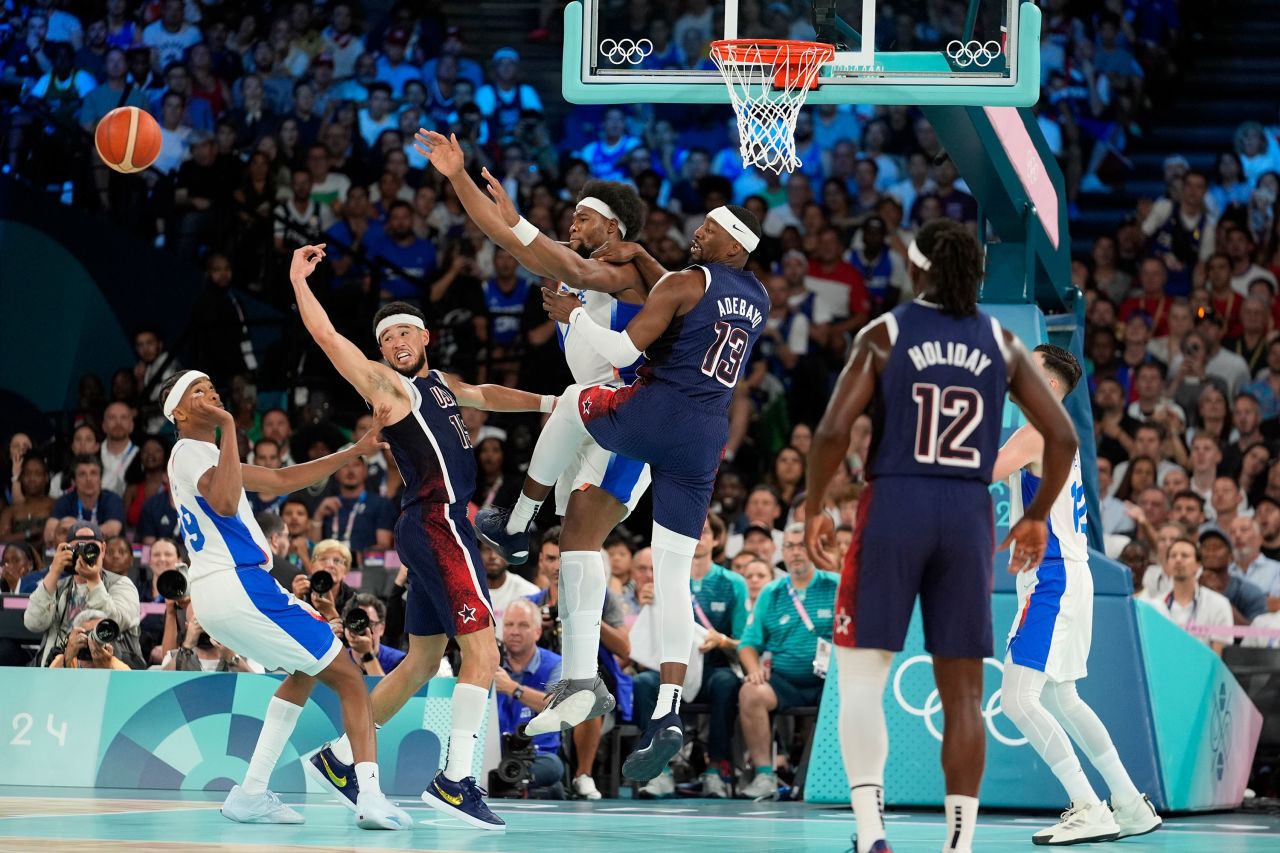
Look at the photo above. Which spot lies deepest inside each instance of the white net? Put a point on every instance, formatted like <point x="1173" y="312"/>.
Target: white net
<point x="768" y="83"/>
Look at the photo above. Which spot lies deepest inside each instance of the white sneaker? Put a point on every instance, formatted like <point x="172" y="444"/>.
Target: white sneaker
<point x="571" y="703"/>
<point x="714" y="786"/>
<point x="763" y="787"/>
<point x="584" y="786"/>
<point x="257" y="808"/>
<point x="1079" y="825"/>
<point x="1136" y="817"/>
<point x="375" y="811"/>
<point x="660" y="787"/>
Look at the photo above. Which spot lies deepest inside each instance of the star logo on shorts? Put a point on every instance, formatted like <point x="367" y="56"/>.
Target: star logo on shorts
<point x="467" y="614"/>
<point x="586" y="407"/>
<point x="843" y="621"/>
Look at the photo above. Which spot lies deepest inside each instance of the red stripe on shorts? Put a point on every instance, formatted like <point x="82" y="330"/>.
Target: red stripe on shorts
<point x="846" y="625"/>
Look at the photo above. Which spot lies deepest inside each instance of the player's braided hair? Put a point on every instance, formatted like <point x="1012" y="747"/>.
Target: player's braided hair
<point x="622" y="199"/>
<point x="956" y="271"/>
<point x="1062" y="363"/>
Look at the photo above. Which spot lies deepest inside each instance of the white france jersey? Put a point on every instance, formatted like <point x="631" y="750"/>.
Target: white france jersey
<point x="1067" y="517"/>
<point x="588" y="366"/>
<point x="215" y="542"/>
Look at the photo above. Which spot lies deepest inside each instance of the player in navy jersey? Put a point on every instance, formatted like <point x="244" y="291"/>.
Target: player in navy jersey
<point x="1049" y="644"/>
<point x="932" y="373"/>
<point x="601" y="488"/>
<point x="697" y="328"/>
<point x="448" y="596"/>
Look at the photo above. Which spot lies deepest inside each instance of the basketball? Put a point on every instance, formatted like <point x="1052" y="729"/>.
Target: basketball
<point x="128" y="139"/>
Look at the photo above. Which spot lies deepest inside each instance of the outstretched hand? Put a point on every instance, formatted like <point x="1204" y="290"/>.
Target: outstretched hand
<point x="445" y="154"/>
<point x="559" y="305"/>
<point x="506" y="206"/>
<point x="370" y="443"/>
<point x="305" y="260"/>
<point x="617" y="253"/>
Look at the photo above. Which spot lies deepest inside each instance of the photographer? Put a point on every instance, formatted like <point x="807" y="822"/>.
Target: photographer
<point x="201" y="653"/>
<point x="363" y="635"/>
<point x="521" y="681"/>
<point x="330" y="596"/>
<point x="85" y="649"/>
<point x="76" y="582"/>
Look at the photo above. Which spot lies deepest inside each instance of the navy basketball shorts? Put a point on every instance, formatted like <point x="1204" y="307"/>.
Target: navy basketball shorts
<point x="682" y="442"/>
<point x="919" y="536"/>
<point x="447" y="589"/>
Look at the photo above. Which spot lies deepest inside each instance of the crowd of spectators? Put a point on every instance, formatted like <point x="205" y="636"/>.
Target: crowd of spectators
<point x="289" y="123"/>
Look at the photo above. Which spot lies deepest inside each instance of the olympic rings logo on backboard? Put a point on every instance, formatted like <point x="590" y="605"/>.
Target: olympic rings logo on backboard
<point x="975" y="52"/>
<point x="932" y="705"/>
<point x="620" y="51"/>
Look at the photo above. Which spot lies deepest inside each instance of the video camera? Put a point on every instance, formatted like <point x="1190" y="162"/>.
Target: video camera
<point x="104" y="632"/>
<point x="173" y="584"/>
<point x="515" y="770"/>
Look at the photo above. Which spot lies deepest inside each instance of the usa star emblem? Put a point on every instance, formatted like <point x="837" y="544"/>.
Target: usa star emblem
<point x="467" y="614"/>
<point x="586" y="407"/>
<point x="843" y="621"/>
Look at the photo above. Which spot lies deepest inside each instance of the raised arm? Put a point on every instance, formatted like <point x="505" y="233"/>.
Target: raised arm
<point x="1023" y="448"/>
<point x="651" y="272"/>
<point x="497" y="398"/>
<point x="375" y="382"/>
<point x="282" y="481"/>
<point x="222" y="484"/>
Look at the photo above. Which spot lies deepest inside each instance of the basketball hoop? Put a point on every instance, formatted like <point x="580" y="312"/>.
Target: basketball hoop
<point x="768" y="81"/>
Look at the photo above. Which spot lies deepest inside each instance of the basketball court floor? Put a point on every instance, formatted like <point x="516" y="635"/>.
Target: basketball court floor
<point x="66" y="819"/>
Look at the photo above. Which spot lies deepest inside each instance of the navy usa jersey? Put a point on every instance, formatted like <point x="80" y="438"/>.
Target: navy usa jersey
<point x="431" y="445"/>
<point x="702" y="353"/>
<point x="939" y="401"/>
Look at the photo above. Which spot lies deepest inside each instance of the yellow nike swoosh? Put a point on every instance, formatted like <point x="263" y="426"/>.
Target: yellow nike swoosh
<point x="451" y="800"/>
<point x="340" y="781"/>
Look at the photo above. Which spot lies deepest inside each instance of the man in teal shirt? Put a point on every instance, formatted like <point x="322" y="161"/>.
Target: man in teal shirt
<point x="719" y="601"/>
<point x="792" y="617"/>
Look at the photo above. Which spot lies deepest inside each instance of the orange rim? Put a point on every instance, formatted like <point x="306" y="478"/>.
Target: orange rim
<point x="765" y="51"/>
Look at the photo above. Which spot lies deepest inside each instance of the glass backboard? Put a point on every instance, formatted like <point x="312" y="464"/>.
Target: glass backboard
<point x="980" y="52"/>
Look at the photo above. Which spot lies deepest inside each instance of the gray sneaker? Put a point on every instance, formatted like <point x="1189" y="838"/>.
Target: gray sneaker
<point x="572" y="702"/>
<point x="257" y="808"/>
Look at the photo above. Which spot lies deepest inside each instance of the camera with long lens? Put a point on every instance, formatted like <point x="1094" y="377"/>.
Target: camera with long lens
<point x="173" y="585"/>
<point x="104" y="632"/>
<point x="87" y="551"/>
<point x="356" y="621"/>
<point x="321" y="582"/>
<point x="515" y="770"/>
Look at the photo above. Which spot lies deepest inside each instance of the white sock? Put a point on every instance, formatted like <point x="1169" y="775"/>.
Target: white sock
<point x="1021" y="694"/>
<point x="342" y="749"/>
<point x="367" y="777"/>
<point x="1084" y="727"/>
<point x="582" y="589"/>
<point x="672" y="565"/>
<point x="277" y="725"/>
<point x="962" y="819"/>
<point x="523" y="512"/>
<point x="864" y="738"/>
<point x="668" y="700"/>
<point x="468" y="710"/>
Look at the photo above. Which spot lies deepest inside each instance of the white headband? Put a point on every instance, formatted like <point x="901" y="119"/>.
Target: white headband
<point x="725" y="218"/>
<point x="604" y="210"/>
<point x="396" y="320"/>
<point x="175" y="395"/>
<point x="918" y="257"/>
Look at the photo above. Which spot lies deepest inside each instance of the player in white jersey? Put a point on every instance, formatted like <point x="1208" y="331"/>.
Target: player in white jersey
<point x="242" y="606"/>
<point x="601" y="488"/>
<point x="1049" y="644"/>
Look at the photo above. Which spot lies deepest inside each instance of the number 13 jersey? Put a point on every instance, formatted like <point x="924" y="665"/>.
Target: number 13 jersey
<point x="939" y="400"/>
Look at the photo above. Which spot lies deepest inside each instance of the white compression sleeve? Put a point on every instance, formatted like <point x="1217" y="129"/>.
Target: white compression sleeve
<point x="864" y="738"/>
<point x="277" y="725"/>
<point x="469" y="709"/>
<point x="615" y="346"/>
<point x="1091" y="735"/>
<point x="582" y="588"/>
<point x="672" y="565"/>
<point x="559" y="440"/>
<point x="1020" y="696"/>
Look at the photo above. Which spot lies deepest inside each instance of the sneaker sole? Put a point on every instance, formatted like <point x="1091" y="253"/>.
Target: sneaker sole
<point x="1137" y="832"/>
<point x="1093" y="839"/>
<point x="391" y="823"/>
<point x="263" y="821"/>
<point x="446" y="809"/>
<point x="314" y="773"/>
<point x="573" y="711"/>
<point x="644" y="765"/>
<point x="512" y="558"/>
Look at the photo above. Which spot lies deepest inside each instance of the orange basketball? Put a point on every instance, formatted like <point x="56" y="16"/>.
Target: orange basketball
<point x="128" y="139"/>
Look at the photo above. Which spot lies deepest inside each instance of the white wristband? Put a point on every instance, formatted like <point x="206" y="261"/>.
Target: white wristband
<point x="547" y="404"/>
<point x="526" y="232"/>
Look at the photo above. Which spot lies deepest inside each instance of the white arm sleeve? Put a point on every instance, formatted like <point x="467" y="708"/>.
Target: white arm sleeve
<point x="614" y="346"/>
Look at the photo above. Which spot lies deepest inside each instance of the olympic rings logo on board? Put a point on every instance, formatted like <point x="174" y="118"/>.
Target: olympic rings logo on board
<point x="620" y="51"/>
<point x="931" y="708"/>
<point x="975" y="52"/>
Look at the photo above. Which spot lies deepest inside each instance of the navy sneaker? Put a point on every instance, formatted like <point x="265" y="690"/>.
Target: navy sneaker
<point x="462" y="800"/>
<point x="880" y="846"/>
<point x="659" y="744"/>
<point x="335" y="776"/>
<point x="491" y="525"/>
